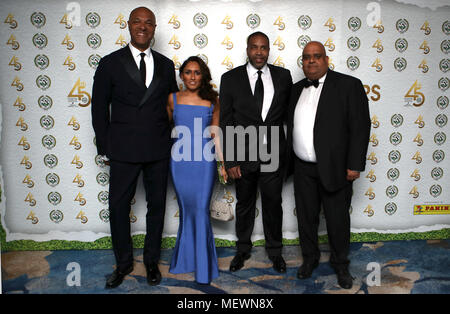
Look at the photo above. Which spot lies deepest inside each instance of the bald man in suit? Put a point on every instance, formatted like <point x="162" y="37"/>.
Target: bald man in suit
<point x="132" y="130"/>
<point x="328" y="135"/>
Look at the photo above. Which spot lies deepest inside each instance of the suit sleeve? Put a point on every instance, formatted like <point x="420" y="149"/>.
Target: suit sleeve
<point x="101" y="99"/>
<point x="226" y="119"/>
<point x="293" y="99"/>
<point x="359" y="127"/>
<point x="289" y="89"/>
<point x="173" y="80"/>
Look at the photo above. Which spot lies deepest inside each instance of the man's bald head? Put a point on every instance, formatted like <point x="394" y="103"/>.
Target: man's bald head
<point x="141" y="24"/>
<point x="318" y="44"/>
<point x="315" y="60"/>
<point x="141" y="9"/>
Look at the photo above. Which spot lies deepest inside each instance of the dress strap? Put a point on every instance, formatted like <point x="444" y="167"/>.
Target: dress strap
<point x="174" y="98"/>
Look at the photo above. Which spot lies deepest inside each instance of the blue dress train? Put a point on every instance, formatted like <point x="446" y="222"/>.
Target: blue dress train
<point x="193" y="180"/>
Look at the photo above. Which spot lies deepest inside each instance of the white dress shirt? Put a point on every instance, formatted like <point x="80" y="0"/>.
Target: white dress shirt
<point x="304" y="117"/>
<point x="149" y="65"/>
<point x="269" y="90"/>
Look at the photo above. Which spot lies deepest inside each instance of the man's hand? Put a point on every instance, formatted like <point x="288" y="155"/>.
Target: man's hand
<point x="105" y="160"/>
<point x="235" y="172"/>
<point x="352" y="175"/>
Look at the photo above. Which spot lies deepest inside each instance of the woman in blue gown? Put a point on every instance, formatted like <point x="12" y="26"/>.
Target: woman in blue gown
<point x="195" y="112"/>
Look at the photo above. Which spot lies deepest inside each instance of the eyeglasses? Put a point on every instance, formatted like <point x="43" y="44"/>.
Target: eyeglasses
<point x="316" y="57"/>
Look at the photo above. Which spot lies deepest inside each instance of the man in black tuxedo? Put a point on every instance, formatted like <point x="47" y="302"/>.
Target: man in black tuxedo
<point x="328" y="135"/>
<point x="254" y="96"/>
<point x="129" y="116"/>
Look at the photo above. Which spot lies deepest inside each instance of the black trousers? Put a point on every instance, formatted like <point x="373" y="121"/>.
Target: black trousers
<point x="310" y="195"/>
<point x="122" y="187"/>
<point x="270" y="184"/>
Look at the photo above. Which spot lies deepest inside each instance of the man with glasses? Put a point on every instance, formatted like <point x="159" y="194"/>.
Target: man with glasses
<point x="328" y="135"/>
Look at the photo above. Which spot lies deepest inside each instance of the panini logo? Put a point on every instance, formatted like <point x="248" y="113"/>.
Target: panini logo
<point x="431" y="209"/>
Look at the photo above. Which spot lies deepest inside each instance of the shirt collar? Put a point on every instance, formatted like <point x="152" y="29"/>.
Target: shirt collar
<point x="322" y="79"/>
<point x="253" y="71"/>
<point x="136" y="52"/>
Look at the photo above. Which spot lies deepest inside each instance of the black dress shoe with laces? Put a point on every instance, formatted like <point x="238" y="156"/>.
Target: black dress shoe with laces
<point x="305" y="271"/>
<point x="153" y="274"/>
<point x="278" y="263"/>
<point x="344" y="278"/>
<point x="116" y="278"/>
<point x="238" y="261"/>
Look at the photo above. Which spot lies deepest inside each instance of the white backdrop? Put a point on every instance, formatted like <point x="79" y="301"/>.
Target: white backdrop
<point x="52" y="186"/>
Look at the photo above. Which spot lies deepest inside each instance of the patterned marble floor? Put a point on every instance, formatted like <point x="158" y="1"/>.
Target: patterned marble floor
<point x="397" y="267"/>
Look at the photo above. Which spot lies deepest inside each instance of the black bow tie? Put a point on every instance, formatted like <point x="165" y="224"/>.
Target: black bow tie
<point x="314" y="82"/>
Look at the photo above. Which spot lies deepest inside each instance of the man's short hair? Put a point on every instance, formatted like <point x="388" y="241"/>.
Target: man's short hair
<point x="258" y="34"/>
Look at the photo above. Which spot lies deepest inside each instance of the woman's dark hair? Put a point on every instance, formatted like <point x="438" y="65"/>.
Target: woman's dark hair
<point x="206" y="90"/>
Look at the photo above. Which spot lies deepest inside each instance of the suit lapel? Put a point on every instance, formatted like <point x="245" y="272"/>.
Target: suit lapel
<point x="157" y="74"/>
<point x="133" y="71"/>
<point x="276" y="87"/>
<point x="244" y="85"/>
<point x="325" y="95"/>
<point x="131" y="67"/>
<point x="246" y="81"/>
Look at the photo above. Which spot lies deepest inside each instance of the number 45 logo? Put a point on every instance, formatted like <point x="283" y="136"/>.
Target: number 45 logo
<point x="78" y="96"/>
<point x="413" y="96"/>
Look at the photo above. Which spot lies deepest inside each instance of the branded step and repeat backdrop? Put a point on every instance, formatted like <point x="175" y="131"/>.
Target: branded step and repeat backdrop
<point x="55" y="187"/>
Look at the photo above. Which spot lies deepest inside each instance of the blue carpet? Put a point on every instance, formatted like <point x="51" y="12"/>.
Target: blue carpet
<point x="397" y="267"/>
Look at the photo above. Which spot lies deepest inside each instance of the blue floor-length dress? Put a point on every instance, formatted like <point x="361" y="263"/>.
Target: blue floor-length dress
<point x="193" y="180"/>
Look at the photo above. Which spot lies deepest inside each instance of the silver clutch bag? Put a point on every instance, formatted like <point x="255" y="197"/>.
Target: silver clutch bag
<point x="221" y="208"/>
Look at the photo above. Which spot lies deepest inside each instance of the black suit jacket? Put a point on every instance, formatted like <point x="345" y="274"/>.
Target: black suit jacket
<point x="130" y="120"/>
<point x="238" y="108"/>
<point x="341" y="128"/>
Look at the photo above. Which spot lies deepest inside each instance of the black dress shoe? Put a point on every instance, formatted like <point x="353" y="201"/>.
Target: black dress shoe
<point x="153" y="274"/>
<point x="305" y="271"/>
<point x="116" y="278"/>
<point x="278" y="263"/>
<point x="344" y="278"/>
<point x="238" y="261"/>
